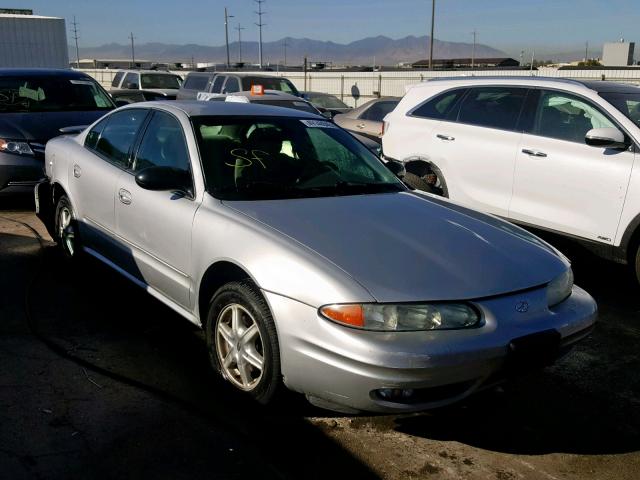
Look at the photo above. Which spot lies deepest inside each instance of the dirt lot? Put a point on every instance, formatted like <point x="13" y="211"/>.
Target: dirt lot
<point x="99" y="380"/>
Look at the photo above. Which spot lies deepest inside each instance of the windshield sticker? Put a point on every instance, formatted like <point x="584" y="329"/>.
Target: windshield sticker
<point x="82" y="82"/>
<point x="318" y="124"/>
<point x="37" y="95"/>
<point x="245" y="158"/>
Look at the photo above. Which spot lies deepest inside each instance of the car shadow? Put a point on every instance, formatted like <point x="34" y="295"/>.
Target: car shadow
<point x="588" y="403"/>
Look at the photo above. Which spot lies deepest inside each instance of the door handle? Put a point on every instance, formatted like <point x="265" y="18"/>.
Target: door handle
<point x="77" y="171"/>
<point x="447" y="138"/>
<point x="124" y="196"/>
<point x="534" y="153"/>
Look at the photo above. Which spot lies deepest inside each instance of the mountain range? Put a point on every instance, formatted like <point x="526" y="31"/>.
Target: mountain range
<point x="381" y="49"/>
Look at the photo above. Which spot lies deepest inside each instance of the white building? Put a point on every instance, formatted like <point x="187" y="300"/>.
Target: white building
<point x="33" y="41"/>
<point x="617" y="54"/>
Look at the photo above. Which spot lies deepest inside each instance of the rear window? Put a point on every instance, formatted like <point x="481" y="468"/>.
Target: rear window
<point x="379" y="110"/>
<point x="52" y="94"/>
<point x="492" y="107"/>
<point x="160" y="80"/>
<point x="196" y="82"/>
<point x="270" y="83"/>
<point x="116" y="79"/>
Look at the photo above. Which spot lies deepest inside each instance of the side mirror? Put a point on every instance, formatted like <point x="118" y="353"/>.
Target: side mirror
<point x="165" y="179"/>
<point x="606" y="138"/>
<point x="132" y="86"/>
<point x="397" y="168"/>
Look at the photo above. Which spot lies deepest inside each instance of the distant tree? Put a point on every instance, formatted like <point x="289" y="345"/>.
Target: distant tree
<point x="590" y="63"/>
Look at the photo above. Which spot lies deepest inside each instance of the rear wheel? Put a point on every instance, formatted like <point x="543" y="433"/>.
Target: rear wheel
<point x="66" y="229"/>
<point x="242" y="340"/>
<point x="426" y="177"/>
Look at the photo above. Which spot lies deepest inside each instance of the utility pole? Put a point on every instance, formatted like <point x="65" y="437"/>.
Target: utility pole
<point x="533" y="56"/>
<point x="433" y="22"/>
<point x="75" y="37"/>
<point x="239" y="28"/>
<point x="226" y="33"/>
<point x="473" y="51"/>
<point x="521" y="58"/>
<point x="133" y="52"/>
<point x="285" y="45"/>
<point x="586" y="52"/>
<point x="260" y="25"/>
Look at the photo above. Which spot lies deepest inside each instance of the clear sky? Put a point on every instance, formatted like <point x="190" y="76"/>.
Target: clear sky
<point x="511" y="25"/>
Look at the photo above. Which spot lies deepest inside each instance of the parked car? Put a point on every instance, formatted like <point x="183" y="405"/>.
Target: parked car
<point x="194" y="83"/>
<point x="162" y="83"/>
<point x="367" y="119"/>
<point x="326" y="103"/>
<point x="549" y="153"/>
<point x="288" y="242"/>
<point x="243" y="82"/>
<point x="34" y="105"/>
<point x="274" y="98"/>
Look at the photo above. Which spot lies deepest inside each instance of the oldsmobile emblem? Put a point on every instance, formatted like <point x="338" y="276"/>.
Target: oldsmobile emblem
<point x="522" y="306"/>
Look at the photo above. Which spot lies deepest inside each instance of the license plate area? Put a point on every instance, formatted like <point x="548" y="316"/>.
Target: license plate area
<point x="534" y="351"/>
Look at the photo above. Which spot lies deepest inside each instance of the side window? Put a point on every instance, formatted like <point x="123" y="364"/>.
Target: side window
<point x="163" y="144"/>
<point x="217" y="84"/>
<point x="441" y="106"/>
<point x="492" y="107"/>
<point x="119" y="135"/>
<point x="232" y="85"/>
<point x="131" y="78"/>
<point x="116" y="80"/>
<point x="567" y="117"/>
<point x="378" y="111"/>
<point x="196" y="82"/>
<point x="91" y="140"/>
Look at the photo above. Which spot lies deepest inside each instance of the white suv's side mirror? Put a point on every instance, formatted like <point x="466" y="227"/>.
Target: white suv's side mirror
<point x="605" y="138"/>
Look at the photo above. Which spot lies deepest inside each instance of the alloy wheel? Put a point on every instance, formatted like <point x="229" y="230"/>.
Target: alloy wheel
<point x="65" y="230"/>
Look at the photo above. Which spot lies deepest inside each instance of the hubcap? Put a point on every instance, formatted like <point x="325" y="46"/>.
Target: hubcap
<point x="239" y="347"/>
<point x="65" y="230"/>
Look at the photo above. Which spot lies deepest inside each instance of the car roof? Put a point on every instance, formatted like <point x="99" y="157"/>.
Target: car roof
<point x="268" y="95"/>
<point x="256" y="75"/>
<point x="161" y="72"/>
<point x="42" y="72"/>
<point x="197" y="108"/>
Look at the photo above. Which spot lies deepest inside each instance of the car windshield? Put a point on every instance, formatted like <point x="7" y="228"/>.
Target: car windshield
<point x="270" y="83"/>
<point x="51" y="94"/>
<point x="160" y="80"/>
<point x="295" y="104"/>
<point x="627" y="103"/>
<point x="259" y="158"/>
<point x="326" y="101"/>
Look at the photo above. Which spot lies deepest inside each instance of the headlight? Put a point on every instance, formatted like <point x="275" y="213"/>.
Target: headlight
<point x="15" y="146"/>
<point x="560" y="288"/>
<point x="403" y="317"/>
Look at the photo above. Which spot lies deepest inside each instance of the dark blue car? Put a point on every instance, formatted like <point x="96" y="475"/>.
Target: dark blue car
<point x="34" y="105"/>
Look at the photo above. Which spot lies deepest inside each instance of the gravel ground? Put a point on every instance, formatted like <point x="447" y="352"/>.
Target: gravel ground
<point x="151" y="407"/>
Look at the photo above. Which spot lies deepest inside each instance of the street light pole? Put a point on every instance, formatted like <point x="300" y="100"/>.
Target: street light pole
<point x="433" y="14"/>
<point x="473" y="51"/>
<point x="133" y="54"/>
<point x="226" y="33"/>
<point x="240" y="28"/>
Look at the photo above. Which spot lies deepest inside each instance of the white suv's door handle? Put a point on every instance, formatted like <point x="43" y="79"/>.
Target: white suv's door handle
<point x="533" y="153"/>
<point x="77" y="171"/>
<point x="447" y="138"/>
<point x="124" y="196"/>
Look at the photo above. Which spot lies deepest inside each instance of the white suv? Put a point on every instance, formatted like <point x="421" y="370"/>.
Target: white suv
<point x="550" y="153"/>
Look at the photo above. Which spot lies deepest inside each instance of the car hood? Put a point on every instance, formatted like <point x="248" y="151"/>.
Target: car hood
<point x="42" y="126"/>
<point x="404" y="247"/>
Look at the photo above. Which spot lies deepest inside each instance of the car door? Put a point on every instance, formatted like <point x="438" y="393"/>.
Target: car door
<point x="232" y="85"/>
<point x="94" y="173"/>
<point x="476" y="150"/>
<point x="560" y="182"/>
<point x="156" y="225"/>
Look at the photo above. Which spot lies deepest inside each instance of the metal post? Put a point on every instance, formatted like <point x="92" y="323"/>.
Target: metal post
<point x="133" y="54"/>
<point x="533" y="56"/>
<point x="305" y="73"/>
<point x="226" y="34"/>
<point x="342" y="88"/>
<point x="433" y="14"/>
<point x="473" y="51"/>
<point x="379" y="85"/>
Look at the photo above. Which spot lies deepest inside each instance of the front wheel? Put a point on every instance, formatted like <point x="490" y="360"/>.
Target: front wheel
<point x="242" y="340"/>
<point x="66" y="229"/>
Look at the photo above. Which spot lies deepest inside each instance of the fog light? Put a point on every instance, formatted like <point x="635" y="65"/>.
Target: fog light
<point x="393" y="394"/>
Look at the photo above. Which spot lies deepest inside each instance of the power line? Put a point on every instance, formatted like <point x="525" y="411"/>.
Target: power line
<point x="226" y="33"/>
<point x="75" y="37"/>
<point x="133" y="51"/>
<point x="260" y="25"/>
<point x="239" y="28"/>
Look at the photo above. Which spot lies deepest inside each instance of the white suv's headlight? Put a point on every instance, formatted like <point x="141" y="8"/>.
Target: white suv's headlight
<point x="560" y="288"/>
<point x="403" y="317"/>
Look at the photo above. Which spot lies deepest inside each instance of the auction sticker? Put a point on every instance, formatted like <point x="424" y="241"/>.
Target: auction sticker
<point x="318" y="124"/>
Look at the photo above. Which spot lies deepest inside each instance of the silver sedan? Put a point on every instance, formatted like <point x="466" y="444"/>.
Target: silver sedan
<point x="305" y="260"/>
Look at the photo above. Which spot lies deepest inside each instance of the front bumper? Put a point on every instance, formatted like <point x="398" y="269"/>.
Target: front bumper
<point x="346" y="369"/>
<point x="19" y="173"/>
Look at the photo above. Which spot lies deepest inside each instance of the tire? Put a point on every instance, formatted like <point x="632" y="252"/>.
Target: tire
<point x="636" y="263"/>
<point x="416" y="177"/>
<point x="66" y="229"/>
<point x="241" y="336"/>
